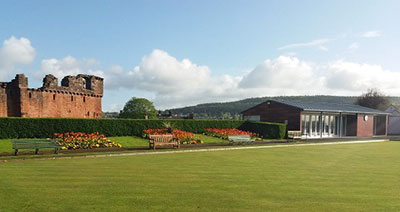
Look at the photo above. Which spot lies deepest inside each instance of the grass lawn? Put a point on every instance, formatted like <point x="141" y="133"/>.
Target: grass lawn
<point x="211" y="140"/>
<point x="343" y="177"/>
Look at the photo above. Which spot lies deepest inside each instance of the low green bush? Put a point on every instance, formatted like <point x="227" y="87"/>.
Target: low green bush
<point x="46" y="127"/>
<point x="265" y="129"/>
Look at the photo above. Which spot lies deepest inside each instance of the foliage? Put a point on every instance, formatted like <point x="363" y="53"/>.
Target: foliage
<point x="78" y="140"/>
<point x="265" y="129"/>
<point x="373" y="98"/>
<point x="183" y="136"/>
<point x="138" y="108"/>
<point x="46" y="127"/>
<point x="223" y="133"/>
<point x="169" y="126"/>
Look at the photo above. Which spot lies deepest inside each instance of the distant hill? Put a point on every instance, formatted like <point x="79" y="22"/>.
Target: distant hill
<point x="230" y="109"/>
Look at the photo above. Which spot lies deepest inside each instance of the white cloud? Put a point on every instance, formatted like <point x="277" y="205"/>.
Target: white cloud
<point x="284" y="75"/>
<point x="349" y="78"/>
<point x="180" y="83"/>
<point x="13" y="52"/>
<point x="354" y="46"/>
<point x="68" y="66"/>
<point x="371" y="34"/>
<point x="320" y="43"/>
<point x="323" y="48"/>
<point x="174" y="82"/>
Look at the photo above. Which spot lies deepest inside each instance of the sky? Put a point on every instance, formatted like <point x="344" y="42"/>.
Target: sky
<point x="181" y="53"/>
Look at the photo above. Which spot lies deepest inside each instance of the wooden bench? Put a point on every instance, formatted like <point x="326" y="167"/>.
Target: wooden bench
<point x="239" y="139"/>
<point x="35" y="144"/>
<point x="159" y="140"/>
<point x="294" y="135"/>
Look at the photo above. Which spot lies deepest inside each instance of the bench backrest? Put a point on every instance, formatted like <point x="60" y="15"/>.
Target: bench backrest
<point x="162" y="138"/>
<point x="294" y="134"/>
<point x="239" y="137"/>
<point x="21" y="144"/>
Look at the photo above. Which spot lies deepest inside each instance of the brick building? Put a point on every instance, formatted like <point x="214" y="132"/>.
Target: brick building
<point x="77" y="97"/>
<point x="319" y="119"/>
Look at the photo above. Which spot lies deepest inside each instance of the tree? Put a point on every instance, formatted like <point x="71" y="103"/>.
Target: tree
<point x="138" y="108"/>
<point x="374" y="99"/>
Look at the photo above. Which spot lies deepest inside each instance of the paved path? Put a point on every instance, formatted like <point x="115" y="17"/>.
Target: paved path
<point x="198" y="150"/>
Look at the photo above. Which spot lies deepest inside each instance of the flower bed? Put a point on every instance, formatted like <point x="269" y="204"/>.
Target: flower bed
<point x="78" y="140"/>
<point x="223" y="133"/>
<point x="184" y="137"/>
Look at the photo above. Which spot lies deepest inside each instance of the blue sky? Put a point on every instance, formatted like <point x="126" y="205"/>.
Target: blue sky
<point x="179" y="53"/>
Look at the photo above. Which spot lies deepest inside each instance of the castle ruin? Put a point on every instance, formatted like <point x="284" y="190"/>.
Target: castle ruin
<point x="77" y="97"/>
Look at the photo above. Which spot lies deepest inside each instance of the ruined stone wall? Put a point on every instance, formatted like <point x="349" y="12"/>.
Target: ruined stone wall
<point x="13" y="92"/>
<point x="38" y="103"/>
<point x="77" y="97"/>
<point x="3" y="100"/>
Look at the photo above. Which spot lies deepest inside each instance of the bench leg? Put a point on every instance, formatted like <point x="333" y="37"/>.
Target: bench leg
<point x="16" y="152"/>
<point x="56" y="151"/>
<point x="36" y="151"/>
<point x="154" y="146"/>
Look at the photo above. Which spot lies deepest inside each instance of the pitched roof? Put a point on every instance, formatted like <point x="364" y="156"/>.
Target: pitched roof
<point x="330" y="107"/>
<point x="393" y="110"/>
<point x="326" y="107"/>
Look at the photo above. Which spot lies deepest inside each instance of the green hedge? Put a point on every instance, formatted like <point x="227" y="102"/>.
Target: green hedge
<point x="265" y="129"/>
<point x="45" y="127"/>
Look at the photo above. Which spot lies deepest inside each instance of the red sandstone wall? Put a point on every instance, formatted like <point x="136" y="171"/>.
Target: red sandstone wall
<point x="365" y="128"/>
<point x="36" y="103"/>
<point x="74" y="99"/>
<point x="3" y="102"/>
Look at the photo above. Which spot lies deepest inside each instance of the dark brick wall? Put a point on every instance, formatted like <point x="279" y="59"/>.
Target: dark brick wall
<point x="278" y="113"/>
<point x="76" y="98"/>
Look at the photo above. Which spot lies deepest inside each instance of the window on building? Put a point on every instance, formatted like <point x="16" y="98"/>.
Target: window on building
<point x="72" y="98"/>
<point x="313" y="124"/>
<point x="54" y="97"/>
<point x="303" y="125"/>
<point x="306" y="127"/>
<point x="30" y="95"/>
<point x="84" y="99"/>
<point x="318" y="130"/>
<point x="333" y="125"/>
<point x="326" y="130"/>
<point x="252" y="118"/>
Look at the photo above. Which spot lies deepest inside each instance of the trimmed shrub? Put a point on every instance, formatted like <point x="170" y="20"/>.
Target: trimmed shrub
<point x="265" y="129"/>
<point x="46" y="127"/>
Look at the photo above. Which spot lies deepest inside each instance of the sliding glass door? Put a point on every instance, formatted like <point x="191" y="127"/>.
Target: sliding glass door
<point x="320" y="125"/>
